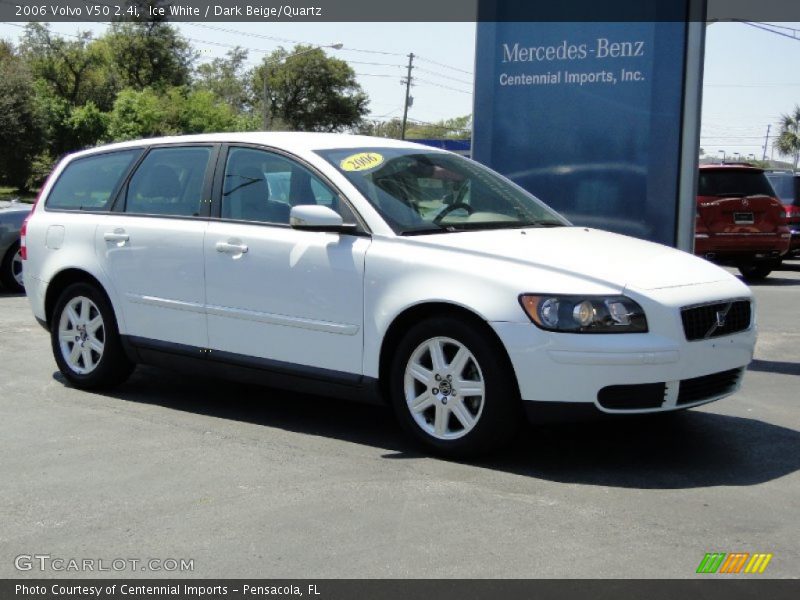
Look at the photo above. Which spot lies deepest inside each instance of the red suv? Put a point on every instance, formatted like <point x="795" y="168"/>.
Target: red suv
<point x="739" y="220"/>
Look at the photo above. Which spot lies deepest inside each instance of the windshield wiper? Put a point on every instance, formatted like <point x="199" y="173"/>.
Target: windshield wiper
<point x="428" y="230"/>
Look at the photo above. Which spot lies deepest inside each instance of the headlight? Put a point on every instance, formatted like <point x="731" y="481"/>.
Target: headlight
<point x="585" y="314"/>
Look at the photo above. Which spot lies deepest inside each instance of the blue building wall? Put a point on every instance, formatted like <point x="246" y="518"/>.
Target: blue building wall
<point x="586" y="116"/>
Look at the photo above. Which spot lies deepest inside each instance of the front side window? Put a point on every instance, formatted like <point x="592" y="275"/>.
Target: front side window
<point x="88" y="183"/>
<point x="432" y="192"/>
<point x="263" y="186"/>
<point x="169" y="182"/>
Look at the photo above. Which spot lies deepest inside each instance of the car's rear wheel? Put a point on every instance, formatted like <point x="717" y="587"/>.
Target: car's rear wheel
<point x="453" y="389"/>
<point x="85" y="339"/>
<point x="11" y="269"/>
<point x="758" y="270"/>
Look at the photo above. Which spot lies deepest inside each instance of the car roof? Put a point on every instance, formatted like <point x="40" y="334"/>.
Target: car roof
<point x="731" y="167"/>
<point x="289" y="140"/>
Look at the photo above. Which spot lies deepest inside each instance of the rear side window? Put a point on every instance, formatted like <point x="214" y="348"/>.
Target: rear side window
<point x="785" y="185"/>
<point x="169" y="182"/>
<point x="89" y="183"/>
<point x="733" y="183"/>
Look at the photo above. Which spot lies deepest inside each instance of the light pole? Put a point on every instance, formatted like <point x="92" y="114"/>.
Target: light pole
<point x="723" y="154"/>
<point x="336" y="46"/>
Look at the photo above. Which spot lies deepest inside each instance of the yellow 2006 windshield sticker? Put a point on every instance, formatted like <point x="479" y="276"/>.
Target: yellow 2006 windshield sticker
<point x="363" y="161"/>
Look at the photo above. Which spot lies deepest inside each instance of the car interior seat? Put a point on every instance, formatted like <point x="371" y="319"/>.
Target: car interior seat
<point x="155" y="194"/>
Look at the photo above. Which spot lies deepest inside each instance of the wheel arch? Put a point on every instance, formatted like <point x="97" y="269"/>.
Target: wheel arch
<point x="418" y="312"/>
<point x="64" y="279"/>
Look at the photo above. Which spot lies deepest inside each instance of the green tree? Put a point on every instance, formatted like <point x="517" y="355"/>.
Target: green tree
<point x="309" y="92"/>
<point x="149" y="113"/>
<point x="87" y="125"/>
<point x="149" y="54"/>
<point x="199" y="111"/>
<point x="138" y="114"/>
<point x="226" y="79"/>
<point x="457" y="128"/>
<point x="788" y="141"/>
<point x="385" y="129"/>
<point x="75" y="70"/>
<point x="21" y="127"/>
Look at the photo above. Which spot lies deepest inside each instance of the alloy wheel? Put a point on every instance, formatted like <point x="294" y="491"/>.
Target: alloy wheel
<point x="444" y="388"/>
<point x="81" y="334"/>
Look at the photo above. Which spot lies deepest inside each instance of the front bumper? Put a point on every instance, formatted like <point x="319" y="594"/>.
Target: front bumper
<point x="575" y="368"/>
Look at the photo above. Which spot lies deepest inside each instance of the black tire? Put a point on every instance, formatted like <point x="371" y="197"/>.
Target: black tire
<point x="7" y="270"/>
<point x="758" y="270"/>
<point x="501" y="412"/>
<point x="114" y="366"/>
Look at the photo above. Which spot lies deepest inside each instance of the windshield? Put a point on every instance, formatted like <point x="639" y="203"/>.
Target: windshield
<point x="419" y="192"/>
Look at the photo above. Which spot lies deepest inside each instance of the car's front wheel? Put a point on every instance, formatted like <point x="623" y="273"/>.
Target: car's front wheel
<point x="11" y="269"/>
<point x="85" y="339"/>
<point x="453" y="389"/>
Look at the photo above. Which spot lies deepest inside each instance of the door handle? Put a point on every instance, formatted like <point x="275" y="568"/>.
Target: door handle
<point x="229" y="248"/>
<point x="118" y="235"/>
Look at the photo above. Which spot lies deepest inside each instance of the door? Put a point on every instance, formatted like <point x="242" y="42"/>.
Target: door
<point x="274" y="293"/>
<point x="152" y="248"/>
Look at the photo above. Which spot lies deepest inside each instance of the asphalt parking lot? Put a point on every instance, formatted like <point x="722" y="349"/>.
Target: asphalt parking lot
<point x="250" y="482"/>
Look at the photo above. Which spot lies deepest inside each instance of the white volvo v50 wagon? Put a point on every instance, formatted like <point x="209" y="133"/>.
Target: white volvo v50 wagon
<point x="370" y="269"/>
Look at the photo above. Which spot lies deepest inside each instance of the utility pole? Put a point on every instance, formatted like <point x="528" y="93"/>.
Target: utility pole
<point x="408" y="94"/>
<point x="266" y="99"/>
<point x="766" y="143"/>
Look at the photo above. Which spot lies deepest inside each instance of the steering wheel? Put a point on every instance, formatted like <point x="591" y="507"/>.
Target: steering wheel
<point x="450" y="208"/>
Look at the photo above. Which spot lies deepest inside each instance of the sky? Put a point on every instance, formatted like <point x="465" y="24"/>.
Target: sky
<point x="751" y="75"/>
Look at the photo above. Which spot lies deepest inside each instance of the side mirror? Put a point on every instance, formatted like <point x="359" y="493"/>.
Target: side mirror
<point x="318" y="218"/>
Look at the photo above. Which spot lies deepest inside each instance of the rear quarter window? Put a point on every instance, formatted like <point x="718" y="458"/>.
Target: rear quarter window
<point x="88" y="183"/>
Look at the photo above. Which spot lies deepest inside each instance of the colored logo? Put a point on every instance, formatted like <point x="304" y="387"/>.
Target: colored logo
<point x="734" y="563"/>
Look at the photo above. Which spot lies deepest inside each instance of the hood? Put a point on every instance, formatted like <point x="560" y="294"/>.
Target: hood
<point x="614" y="259"/>
<point x="7" y="207"/>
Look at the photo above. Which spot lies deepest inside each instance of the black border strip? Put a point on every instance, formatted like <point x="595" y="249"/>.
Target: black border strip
<point x="707" y="587"/>
<point x="392" y="11"/>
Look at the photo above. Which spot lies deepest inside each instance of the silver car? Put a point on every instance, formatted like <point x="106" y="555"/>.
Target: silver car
<point x="12" y="214"/>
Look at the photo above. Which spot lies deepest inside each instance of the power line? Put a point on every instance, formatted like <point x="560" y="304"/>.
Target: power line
<point x="264" y="51"/>
<point x="751" y="85"/>
<point x="446" y="87"/>
<point x="443" y="65"/>
<point x="767" y="28"/>
<point x="287" y="40"/>
<point x="794" y="29"/>
<point x="438" y="74"/>
<point x="376" y="75"/>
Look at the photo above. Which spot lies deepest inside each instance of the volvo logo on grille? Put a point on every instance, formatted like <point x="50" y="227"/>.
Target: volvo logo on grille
<point x="721" y="316"/>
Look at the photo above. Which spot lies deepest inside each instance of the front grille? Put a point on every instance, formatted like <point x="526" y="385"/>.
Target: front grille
<point x="632" y="397"/>
<point x="703" y="322"/>
<point x="708" y="386"/>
